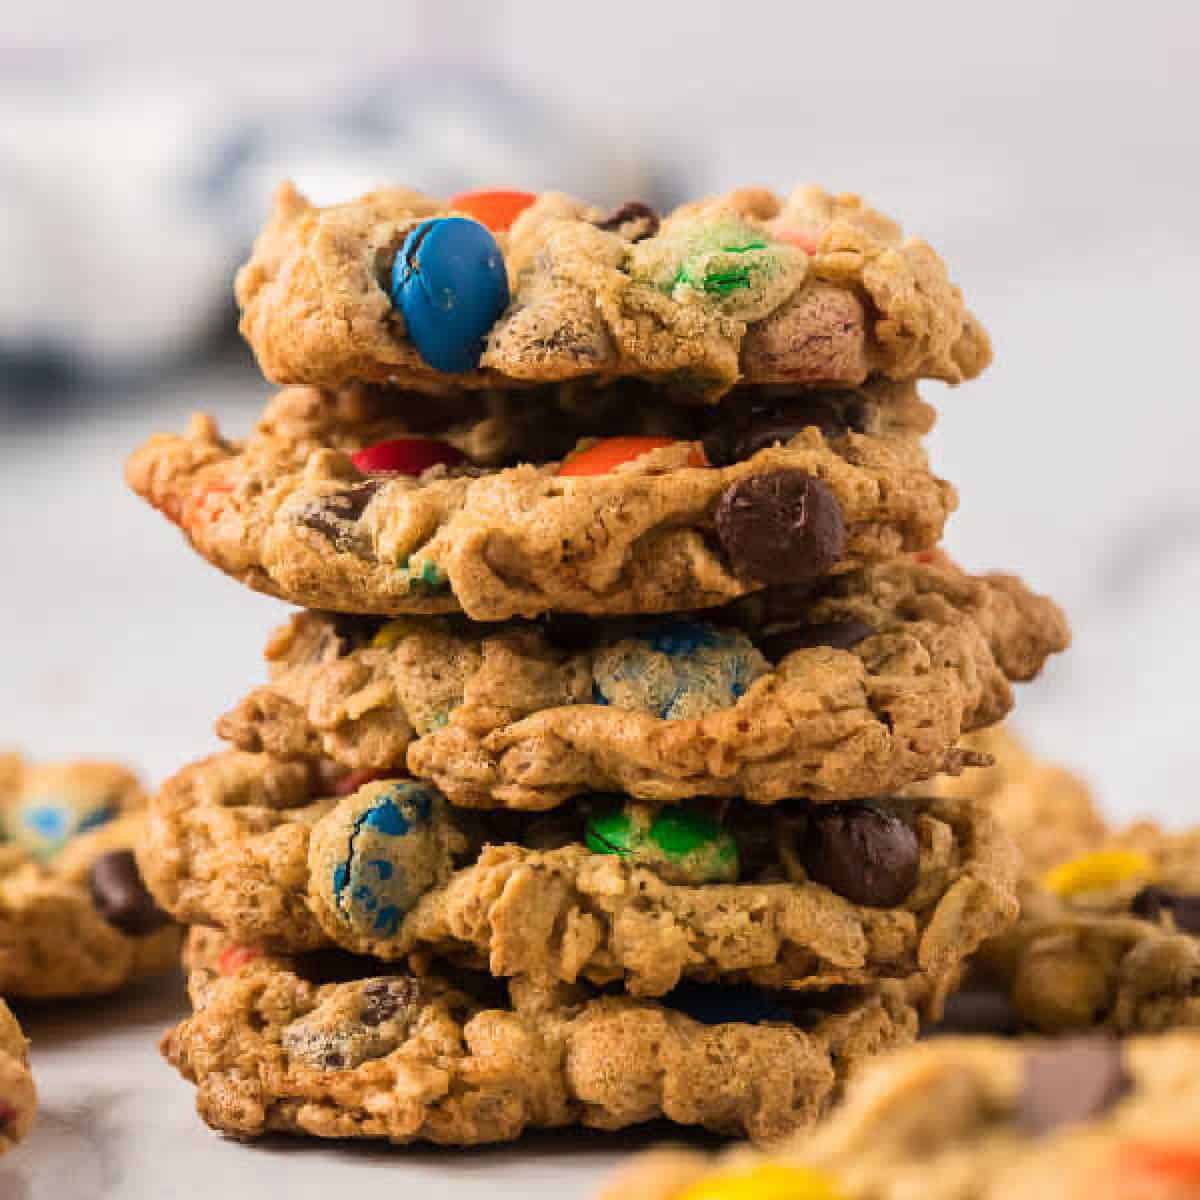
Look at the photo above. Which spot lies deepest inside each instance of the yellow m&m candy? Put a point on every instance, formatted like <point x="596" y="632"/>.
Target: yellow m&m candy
<point x="1098" y="870"/>
<point x="765" y="1181"/>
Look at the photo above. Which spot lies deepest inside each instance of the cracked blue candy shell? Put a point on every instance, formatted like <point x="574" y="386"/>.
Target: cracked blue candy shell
<point x="392" y="855"/>
<point x="450" y="283"/>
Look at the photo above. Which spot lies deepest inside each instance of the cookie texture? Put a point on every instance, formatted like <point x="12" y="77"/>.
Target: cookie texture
<point x="18" y="1097"/>
<point x="289" y="513"/>
<point x="809" y="289"/>
<point x="1109" y="933"/>
<point x="526" y="716"/>
<point x="1109" y="938"/>
<point x="247" y="844"/>
<point x="412" y="1058"/>
<point x="75" y="917"/>
<point x="976" y="1119"/>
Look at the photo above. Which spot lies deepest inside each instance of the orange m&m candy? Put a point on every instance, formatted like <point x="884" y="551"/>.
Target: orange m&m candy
<point x="609" y="453"/>
<point x="497" y="210"/>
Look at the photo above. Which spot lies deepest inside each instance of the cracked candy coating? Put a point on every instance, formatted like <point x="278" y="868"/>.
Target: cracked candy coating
<point x="240" y="842"/>
<point x="288" y="513"/>
<point x="57" y="936"/>
<point x="18" y="1097"/>
<point x="271" y="1051"/>
<point x="809" y="289"/>
<point x="944" y="1121"/>
<point x="508" y="718"/>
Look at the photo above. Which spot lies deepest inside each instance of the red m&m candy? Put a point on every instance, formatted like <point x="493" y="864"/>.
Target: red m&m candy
<point x="232" y="958"/>
<point x="406" y="456"/>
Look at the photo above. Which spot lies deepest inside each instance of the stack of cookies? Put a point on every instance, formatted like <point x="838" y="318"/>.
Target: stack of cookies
<point x="584" y="790"/>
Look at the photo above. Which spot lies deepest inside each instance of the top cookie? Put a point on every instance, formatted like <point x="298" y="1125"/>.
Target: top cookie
<point x="397" y="287"/>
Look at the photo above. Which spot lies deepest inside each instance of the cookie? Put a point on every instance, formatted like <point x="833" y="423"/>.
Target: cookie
<point x="1109" y="937"/>
<point x="807" y="898"/>
<point x="274" y="1047"/>
<point x="975" y="1119"/>
<point x="857" y="689"/>
<point x="314" y="509"/>
<point x="18" y="1097"/>
<point x="400" y="288"/>
<point x="75" y="917"/>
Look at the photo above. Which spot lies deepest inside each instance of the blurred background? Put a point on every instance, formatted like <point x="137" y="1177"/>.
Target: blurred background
<point x="1048" y="150"/>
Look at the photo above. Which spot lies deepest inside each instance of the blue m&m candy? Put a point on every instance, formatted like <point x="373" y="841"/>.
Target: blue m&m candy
<point x="376" y="854"/>
<point x="450" y="283"/>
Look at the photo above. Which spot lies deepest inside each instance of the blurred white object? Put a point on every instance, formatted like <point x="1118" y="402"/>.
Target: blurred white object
<point x="126" y="201"/>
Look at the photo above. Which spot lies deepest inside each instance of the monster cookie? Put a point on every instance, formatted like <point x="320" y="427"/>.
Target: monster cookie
<point x="316" y="509"/>
<point x="603" y="890"/>
<point x="975" y="1119"/>
<point x="346" y="1050"/>
<point x="43" y="807"/>
<point x="1109" y="937"/>
<point x="18" y="1099"/>
<point x="859" y="688"/>
<point x="403" y="289"/>
<point x="75" y="916"/>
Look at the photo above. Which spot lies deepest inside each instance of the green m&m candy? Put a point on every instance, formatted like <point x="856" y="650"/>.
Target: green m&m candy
<point x="681" y="845"/>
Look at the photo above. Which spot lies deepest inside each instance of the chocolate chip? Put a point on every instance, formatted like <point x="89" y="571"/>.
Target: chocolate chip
<point x="384" y="998"/>
<point x="745" y="430"/>
<point x="1151" y="902"/>
<point x="868" y="856"/>
<point x="121" y="897"/>
<point x="780" y="527"/>
<point x="333" y="514"/>
<point x="641" y="216"/>
<point x="839" y="635"/>
<point x="1071" y="1081"/>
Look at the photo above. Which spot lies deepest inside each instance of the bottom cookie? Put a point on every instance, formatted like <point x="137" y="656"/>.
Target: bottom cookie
<point x="328" y="1046"/>
<point x="18" y="1099"/>
<point x="976" y="1119"/>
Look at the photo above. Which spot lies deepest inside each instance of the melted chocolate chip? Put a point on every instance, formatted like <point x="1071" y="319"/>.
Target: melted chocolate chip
<point x="839" y="635"/>
<point x="121" y="897"/>
<point x="641" y="216"/>
<point x="783" y="527"/>
<point x="864" y="854"/>
<point x="332" y="514"/>
<point x="744" y="430"/>
<point x="1152" y="902"/>
<point x="1071" y="1081"/>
